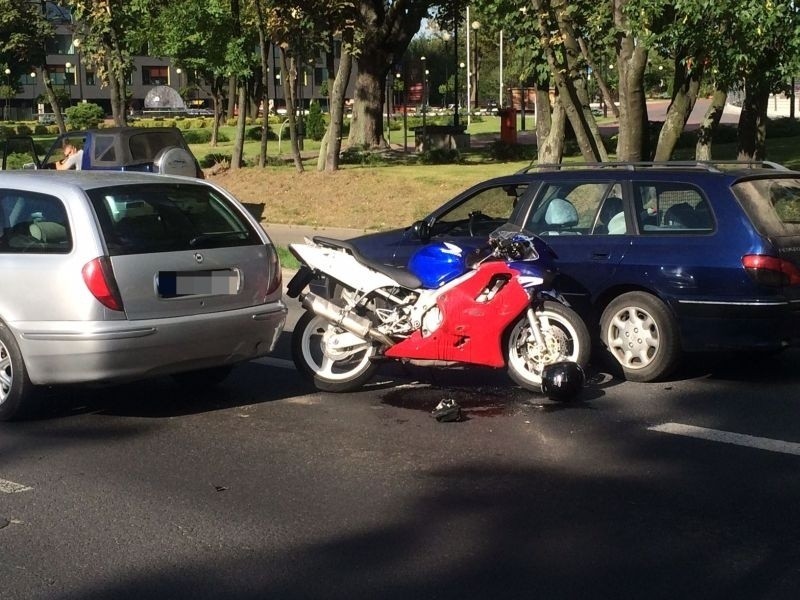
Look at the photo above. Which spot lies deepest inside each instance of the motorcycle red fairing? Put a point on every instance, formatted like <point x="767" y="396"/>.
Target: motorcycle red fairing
<point x="471" y="328"/>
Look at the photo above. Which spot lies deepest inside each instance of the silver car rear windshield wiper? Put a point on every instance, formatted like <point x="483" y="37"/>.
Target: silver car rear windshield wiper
<point x="224" y="235"/>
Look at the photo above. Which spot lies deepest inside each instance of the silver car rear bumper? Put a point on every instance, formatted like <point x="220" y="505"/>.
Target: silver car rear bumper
<point x="78" y="352"/>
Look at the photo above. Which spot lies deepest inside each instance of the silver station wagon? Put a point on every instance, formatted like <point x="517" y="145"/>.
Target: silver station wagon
<point x="120" y="276"/>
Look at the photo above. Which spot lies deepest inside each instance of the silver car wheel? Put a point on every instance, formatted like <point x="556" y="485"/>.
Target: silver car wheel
<point x="6" y="373"/>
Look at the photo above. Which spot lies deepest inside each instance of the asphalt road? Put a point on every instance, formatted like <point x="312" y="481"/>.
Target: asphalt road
<point x="268" y="489"/>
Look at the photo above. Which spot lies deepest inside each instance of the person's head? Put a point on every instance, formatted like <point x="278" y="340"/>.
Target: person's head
<point x="69" y="148"/>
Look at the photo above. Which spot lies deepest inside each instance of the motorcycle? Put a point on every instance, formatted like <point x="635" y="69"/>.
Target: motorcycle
<point x="492" y="306"/>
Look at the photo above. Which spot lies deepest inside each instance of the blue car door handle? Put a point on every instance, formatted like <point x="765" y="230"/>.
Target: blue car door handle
<point x="601" y="255"/>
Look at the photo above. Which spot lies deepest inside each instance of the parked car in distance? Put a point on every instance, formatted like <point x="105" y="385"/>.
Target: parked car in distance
<point x="120" y="276"/>
<point x="659" y="259"/>
<point x="153" y="149"/>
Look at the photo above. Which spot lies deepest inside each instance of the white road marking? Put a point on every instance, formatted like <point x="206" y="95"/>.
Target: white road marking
<point x="270" y="361"/>
<point x="727" y="437"/>
<point x="9" y="487"/>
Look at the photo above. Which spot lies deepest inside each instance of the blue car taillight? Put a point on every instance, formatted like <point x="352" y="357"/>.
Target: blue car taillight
<point x="771" y="270"/>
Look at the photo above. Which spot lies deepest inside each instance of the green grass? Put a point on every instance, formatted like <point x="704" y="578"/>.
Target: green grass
<point x="287" y="259"/>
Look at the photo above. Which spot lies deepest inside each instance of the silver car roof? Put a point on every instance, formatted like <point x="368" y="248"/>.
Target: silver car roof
<point x="85" y="180"/>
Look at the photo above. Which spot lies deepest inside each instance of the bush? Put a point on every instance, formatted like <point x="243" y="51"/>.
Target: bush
<point x="357" y="156"/>
<point x="40" y="130"/>
<point x="23" y="129"/>
<point x="85" y="115"/>
<point x="501" y="151"/>
<point x="16" y="160"/>
<point x="197" y="136"/>
<point x="315" y="123"/>
<point x="209" y="160"/>
<point x="202" y="136"/>
<point x="254" y="134"/>
<point x="439" y="156"/>
<point x="782" y="127"/>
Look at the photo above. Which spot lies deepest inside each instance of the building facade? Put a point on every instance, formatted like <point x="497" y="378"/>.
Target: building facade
<point x="76" y="78"/>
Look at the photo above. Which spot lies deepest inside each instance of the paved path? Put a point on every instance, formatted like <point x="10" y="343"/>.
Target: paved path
<point x="283" y="235"/>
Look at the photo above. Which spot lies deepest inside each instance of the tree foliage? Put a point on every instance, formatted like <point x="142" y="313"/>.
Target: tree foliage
<point x="112" y="32"/>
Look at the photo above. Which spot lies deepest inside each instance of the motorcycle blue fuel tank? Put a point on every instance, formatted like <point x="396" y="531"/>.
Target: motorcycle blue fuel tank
<point x="438" y="263"/>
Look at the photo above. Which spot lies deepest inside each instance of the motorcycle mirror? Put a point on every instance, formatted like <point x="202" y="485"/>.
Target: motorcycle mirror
<point x="422" y="230"/>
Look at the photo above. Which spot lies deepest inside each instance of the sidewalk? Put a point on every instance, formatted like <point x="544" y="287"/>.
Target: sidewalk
<point x="283" y="235"/>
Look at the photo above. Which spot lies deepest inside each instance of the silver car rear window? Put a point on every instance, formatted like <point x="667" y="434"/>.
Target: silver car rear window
<point x="168" y="217"/>
<point x="33" y="223"/>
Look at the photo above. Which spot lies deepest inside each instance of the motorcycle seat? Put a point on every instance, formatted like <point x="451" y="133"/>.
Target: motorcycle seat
<point x="402" y="276"/>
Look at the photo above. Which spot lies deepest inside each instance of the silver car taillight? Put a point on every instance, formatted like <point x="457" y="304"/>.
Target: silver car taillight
<point x="275" y="269"/>
<point x="99" y="278"/>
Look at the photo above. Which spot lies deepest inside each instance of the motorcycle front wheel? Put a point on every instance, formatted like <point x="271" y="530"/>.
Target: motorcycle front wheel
<point x="565" y="338"/>
<point x="331" y="368"/>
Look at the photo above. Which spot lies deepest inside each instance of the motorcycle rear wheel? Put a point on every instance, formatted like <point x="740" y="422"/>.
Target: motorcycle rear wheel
<point x="329" y="369"/>
<point x="566" y="338"/>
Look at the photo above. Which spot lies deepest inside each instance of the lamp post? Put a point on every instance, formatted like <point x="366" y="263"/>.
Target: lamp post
<point x="400" y="76"/>
<point x="77" y="44"/>
<point x="33" y="95"/>
<point x="446" y="38"/>
<point x="500" y="98"/>
<point x="475" y="26"/>
<point x="8" y="93"/>
<point x="68" y="81"/>
<point x="424" y="100"/>
<point x="455" y="74"/>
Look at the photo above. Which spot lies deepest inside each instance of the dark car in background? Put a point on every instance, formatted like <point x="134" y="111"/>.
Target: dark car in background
<point x="153" y="150"/>
<point x="659" y="259"/>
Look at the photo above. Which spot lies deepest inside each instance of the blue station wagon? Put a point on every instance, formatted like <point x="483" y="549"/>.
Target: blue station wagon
<point x="660" y="259"/>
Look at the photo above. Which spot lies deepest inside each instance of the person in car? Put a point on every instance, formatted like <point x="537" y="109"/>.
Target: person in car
<point x="72" y="157"/>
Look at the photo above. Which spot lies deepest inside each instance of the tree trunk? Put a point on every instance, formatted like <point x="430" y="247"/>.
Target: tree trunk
<point x="550" y="128"/>
<point x="231" y="97"/>
<point x="710" y="123"/>
<point x="53" y="100"/>
<point x="288" y="76"/>
<point x="115" y="93"/>
<point x="366" y="126"/>
<point x="684" y="97"/>
<point x="569" y="81"/>
<point x="387" y="29"/>
<point x="264" y="48"/>
<point x="753" y="120"/>
<point x="334" y="134"/>
<point x="322" y="159"/>
<point x="237" y="155"/>
<point x="216" y="98"/>
<point x="602" y="84"/>
<point x="633" y="141"/>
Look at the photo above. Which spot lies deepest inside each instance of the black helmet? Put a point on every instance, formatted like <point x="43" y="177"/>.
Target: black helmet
<point x="562" y="380"/>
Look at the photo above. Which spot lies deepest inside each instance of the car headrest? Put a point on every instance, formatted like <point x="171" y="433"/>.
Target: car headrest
<point x="561" y="212"/>
<point x="48" y="231"/>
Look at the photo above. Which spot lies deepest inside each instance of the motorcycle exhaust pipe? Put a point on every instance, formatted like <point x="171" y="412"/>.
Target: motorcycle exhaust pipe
<point x="353" y="323"/>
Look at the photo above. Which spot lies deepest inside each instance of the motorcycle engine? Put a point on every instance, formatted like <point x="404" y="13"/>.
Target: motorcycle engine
<point x="431" y="321"/>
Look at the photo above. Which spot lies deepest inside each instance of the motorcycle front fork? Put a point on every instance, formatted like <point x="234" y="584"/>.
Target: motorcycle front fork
<point x="536" y="329"/>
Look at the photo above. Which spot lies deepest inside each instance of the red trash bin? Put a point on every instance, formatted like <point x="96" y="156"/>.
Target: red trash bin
<point x="508" y="125"/>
